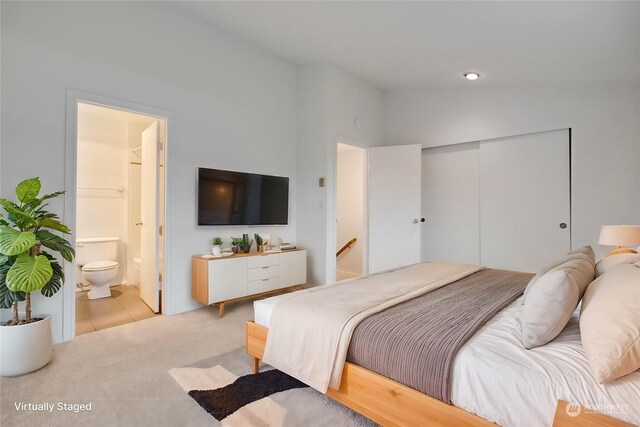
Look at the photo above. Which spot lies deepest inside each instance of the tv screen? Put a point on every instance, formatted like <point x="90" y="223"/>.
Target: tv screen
<point x="235" y="198"/>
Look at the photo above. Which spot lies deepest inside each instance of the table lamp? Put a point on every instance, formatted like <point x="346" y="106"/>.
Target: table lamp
<point x="620" y="235"/>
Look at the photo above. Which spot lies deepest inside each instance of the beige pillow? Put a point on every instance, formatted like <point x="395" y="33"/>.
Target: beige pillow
<point x="582" y="271"/>
<point x="586" y="250"/>
<point x="585" y="253"/>
<point x="610" y="323"/>
<point x="609" y="262"/>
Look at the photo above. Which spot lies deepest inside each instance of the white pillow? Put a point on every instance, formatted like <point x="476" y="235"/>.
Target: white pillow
<point x="552" y="299"/>
<point x="551" y="302"/>
<point x="609" y="262"/>
<point x="610" y="323"/>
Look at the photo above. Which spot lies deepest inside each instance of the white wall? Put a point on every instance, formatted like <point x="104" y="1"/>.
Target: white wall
<point x="329" y="100"/>
<point x="350" y="207"/>
<point x="605" y="138"/>
<point x="234" y="107"/>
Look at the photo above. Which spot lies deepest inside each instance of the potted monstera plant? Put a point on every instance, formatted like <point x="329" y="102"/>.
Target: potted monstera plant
<point x="28" y="264"/>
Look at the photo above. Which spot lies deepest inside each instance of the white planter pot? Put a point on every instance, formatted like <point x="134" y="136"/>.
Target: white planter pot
<point x="25" y="348"/>
<point x="215" y="250"/>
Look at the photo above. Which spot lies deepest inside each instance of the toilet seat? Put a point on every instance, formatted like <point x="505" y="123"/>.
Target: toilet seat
<point x="100" y="266"/>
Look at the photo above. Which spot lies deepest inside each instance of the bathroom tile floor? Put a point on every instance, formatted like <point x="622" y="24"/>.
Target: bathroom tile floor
<point x="125" y="306"/>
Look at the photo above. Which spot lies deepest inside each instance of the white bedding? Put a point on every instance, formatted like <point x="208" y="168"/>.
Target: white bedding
<point x="497" y="379"/>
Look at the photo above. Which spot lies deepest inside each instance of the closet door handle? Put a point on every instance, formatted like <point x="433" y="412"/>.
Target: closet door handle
<point x="563" y="225"/>
<point x="418" y="221"/>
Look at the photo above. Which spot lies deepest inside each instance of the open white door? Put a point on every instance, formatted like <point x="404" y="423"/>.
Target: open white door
<point x="149" y="280"/>
<point x="394" y="206"/>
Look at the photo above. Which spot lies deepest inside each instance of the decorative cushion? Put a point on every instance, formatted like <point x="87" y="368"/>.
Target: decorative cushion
<point x="548" y="308"/>
<point x="585" y="252"/>
<point x="610" y="323"/>
<point x="609" y="262"/>
<point x="582" y="270"/>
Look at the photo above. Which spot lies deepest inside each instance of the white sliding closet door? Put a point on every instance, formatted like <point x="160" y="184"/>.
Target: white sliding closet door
<point x="451" y="203"/>
<point x="524" y="200"/>
<point x="394" y="206"/>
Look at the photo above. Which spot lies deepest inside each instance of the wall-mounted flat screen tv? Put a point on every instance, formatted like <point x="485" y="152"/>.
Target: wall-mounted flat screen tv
<point x="236" y="198"/>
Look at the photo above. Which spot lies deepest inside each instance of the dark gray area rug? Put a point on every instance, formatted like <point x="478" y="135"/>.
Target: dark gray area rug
<point x="224" y="387"/>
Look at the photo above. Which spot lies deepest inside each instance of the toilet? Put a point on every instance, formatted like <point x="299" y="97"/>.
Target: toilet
<point x="97" y="256"/>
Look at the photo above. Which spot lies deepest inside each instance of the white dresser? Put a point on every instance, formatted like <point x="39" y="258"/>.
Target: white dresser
<point x="244" y="276"/>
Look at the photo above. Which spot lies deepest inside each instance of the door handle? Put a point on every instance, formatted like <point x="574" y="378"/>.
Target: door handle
<point x="139" y="223"/>
<point x="417" y="221"/>
<point x="563" y="225"/>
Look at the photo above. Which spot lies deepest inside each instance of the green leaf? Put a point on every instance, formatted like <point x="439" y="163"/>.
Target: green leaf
<point x="28" y="274"/>
<point x="16" y="214"/>
<point x="51" y="196"/>
<point x="3" y="259"/>
<point x="7" y="297"/>
<point x="56" y="243"/>
<point x="35" y="203"/>
<point x="57" y="278"/>
<point x="13" y="242"/>
<point x="53" y="224"/>
<point x="28" y="189"/>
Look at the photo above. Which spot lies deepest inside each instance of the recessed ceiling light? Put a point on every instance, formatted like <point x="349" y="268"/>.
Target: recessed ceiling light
<point x="471" y="76"/>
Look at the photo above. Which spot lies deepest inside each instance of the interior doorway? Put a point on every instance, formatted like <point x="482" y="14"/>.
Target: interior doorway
<point x="351" y="211"/>
<point x="119" y="216"/>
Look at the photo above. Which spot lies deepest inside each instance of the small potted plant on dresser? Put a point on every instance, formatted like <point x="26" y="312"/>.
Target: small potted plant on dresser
<point x="259" y="242"/>
<point x="236" y="242"/>
<point x="216" y="244"/>
<point x="246" y="245"/>
<point x="26" y="267"/>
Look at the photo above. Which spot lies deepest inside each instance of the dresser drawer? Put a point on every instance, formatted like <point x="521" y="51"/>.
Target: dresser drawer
<point x="263" y="285"/>
<point x="263" y="260"/>
<point x="263" y="272"/>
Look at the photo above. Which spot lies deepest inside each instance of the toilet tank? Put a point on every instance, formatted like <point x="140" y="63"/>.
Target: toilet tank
<point x="96" y="249"/>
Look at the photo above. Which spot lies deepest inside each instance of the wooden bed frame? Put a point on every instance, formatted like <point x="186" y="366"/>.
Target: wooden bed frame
<point x="390" y="403"/>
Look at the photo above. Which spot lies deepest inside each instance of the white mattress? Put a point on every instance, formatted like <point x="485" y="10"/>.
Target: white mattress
<point x="495" y="377"/>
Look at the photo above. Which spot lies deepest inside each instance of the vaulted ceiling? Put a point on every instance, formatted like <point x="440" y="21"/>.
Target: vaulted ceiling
<point x="407" y="45"/>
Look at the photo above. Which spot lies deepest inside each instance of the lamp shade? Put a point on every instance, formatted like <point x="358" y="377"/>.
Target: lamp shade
<point x="620" y="235"/>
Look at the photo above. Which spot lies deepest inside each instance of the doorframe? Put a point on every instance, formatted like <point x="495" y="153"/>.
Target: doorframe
<point x="74" y="97"/>
<point x="332" y="198"/>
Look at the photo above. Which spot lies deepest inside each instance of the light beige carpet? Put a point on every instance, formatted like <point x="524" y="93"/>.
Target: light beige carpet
<point x="122" y="372"/>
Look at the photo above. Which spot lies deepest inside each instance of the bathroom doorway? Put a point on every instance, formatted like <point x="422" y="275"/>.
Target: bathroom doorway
<point x="119" y="216"/>
<point x="351" y="212"/>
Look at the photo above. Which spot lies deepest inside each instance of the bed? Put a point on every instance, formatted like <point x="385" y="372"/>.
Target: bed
<point x="493" y="380"/>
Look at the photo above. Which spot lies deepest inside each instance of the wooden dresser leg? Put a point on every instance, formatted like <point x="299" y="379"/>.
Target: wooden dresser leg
<point x="256" y="364"/>
<point x="220" y="310"/>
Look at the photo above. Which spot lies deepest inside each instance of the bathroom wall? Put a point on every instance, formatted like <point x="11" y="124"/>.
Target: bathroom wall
<point x="103" y="158"/>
